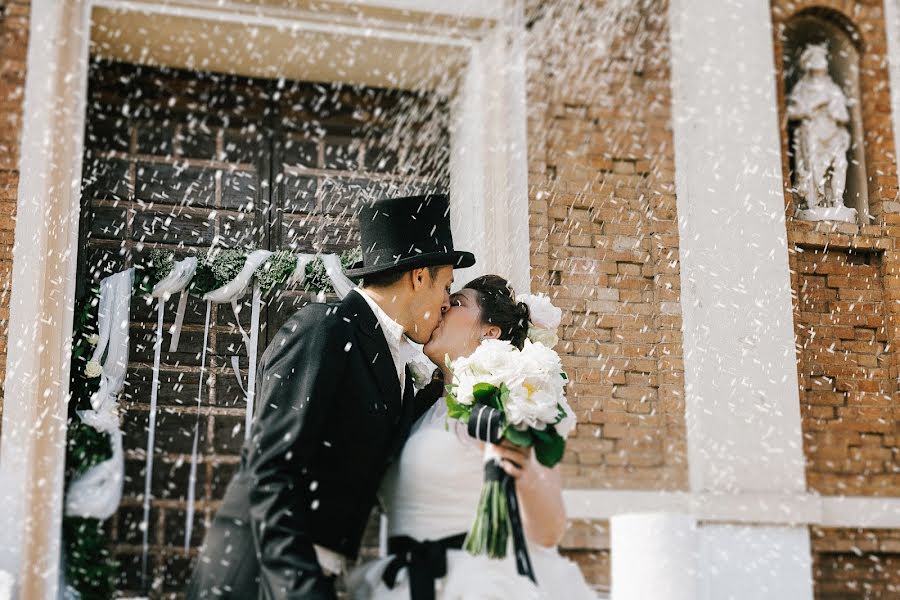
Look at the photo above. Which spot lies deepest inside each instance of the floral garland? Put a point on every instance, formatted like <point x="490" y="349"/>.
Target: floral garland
<point x="217" y="267"/>
<point x="90" y="567"/>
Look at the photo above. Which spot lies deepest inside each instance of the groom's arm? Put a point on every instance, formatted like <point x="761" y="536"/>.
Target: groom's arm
<point x="298" y="379"/>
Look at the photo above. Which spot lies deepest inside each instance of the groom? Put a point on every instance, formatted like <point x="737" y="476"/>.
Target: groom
<point x="335" y="404"/>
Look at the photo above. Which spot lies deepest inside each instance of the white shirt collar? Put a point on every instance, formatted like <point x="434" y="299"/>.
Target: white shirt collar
<point x="393" y="331"/>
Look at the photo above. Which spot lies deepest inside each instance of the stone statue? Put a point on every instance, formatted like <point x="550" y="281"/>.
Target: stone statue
<point x="821" y="139"/>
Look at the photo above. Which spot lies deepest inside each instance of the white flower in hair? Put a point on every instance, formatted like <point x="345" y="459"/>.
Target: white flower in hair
<point x="93" y="339"/>
<point x="93" y="369"/>
<point x="544" y="318"/>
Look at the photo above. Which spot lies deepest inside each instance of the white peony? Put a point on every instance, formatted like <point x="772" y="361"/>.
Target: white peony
<point x="540" y="358"/>
<point x="464" y="391"/>
<point x="533" y="403"/>
<point x="93" y="369"/>
<point x="532" y="375"/>
<point x="543" y="314"/>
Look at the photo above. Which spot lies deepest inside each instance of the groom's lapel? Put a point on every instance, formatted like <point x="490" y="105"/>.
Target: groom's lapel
<point x="407" y="417"/>
<point x="374" y="348"/>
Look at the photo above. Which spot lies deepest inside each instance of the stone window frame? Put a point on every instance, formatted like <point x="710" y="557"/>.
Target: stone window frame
<point x="490" y="177"/>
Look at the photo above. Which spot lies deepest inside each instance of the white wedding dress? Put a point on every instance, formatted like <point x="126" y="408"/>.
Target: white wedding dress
<point x="432" y="493"/>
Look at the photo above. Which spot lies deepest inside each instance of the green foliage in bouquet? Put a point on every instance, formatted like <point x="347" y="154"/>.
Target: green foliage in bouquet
<point x="549" y="446"/>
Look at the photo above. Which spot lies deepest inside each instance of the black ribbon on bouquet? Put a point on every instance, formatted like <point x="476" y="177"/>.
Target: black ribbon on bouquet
<point x="486" y="424"/>
<point x="426" y="562"/>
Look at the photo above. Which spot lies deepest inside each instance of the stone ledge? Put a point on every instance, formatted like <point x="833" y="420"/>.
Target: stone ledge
<point x="753" y="508"/>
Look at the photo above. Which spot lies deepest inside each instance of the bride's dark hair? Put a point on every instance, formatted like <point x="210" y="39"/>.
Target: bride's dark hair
<point x="499" y="307"/>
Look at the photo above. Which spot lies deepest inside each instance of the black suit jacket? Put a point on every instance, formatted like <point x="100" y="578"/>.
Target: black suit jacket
<point x="329" y="421"/>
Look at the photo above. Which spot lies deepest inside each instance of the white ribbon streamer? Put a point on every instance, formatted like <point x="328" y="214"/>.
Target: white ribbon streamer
<point x="175" y="329"/>
<point x="299" y="274"/>
<point x="230" y="293"/>
<point x="151" y="438"/>
<point x="192" y="477"/>
<point x="97" y="492"/>
<point x="177" y="281"/>
<point x="251" y="354"/>
<point x="341" y="283"/>
<point x="237" y="287"/>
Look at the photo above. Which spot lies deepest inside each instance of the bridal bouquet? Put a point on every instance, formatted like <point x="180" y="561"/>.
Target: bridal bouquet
<point x="500" y="392"/>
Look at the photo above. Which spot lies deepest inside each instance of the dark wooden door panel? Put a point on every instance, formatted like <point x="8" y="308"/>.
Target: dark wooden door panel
<point x="186" y="161"/>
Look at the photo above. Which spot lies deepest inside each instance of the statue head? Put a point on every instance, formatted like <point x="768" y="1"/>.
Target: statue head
<point x="814" y="58"/>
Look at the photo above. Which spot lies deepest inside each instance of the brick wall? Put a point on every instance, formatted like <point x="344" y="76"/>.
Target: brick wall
<point x="604" y="245"/>
<point x="856" y="563"/>
<point x="13" y="48"/>
<point x="846" y="291"/>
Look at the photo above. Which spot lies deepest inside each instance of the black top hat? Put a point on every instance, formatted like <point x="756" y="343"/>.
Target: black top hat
<point x="401" y="234"/>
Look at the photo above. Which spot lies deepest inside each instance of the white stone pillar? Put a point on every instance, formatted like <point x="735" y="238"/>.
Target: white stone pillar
<point x="32" y="446"/>
<point x="643" y="562"/>
<point x="488" y="162"/>
<point x="741" y="391"/>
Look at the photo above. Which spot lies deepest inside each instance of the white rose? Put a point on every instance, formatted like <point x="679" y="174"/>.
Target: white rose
<point x="464" y="391"/>
<point x="93" y="369"/>
<point x="543" y="314"/>
<point x="421" y="372"/>
<point x="568" y="422"/>
<point x="93" y="339"/>
<point x="543" y="336"/>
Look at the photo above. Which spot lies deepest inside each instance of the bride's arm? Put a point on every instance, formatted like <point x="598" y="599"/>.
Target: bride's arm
<point x="540" y="494"/>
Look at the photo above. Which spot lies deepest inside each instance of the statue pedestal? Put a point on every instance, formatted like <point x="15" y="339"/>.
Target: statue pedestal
<point x="831" y="213"/>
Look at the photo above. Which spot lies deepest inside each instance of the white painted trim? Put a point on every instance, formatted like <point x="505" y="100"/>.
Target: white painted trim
<point x="464" y="9"/>
<point x="858" y="511"/>
<point x="261" y="19"/>
<point x="489" y="164"/>
<point x="757" y="509"/>
<point x="42" y="296"/>
<point x="477" y="9"/>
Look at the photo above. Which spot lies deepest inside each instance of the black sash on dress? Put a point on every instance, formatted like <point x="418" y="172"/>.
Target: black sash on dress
<point x="426" y="562"/>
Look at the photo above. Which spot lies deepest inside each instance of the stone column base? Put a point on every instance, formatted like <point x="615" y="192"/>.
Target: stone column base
<point x="672" y="556"/>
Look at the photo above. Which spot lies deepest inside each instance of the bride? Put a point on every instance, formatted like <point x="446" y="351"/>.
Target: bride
<point x="431" y="493"/>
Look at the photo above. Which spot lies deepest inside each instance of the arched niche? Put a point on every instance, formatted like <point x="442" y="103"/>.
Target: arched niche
<point x="823" y="26"/>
